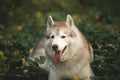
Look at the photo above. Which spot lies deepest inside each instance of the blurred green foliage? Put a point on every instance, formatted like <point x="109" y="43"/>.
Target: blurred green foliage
<point x="23" y="23"/>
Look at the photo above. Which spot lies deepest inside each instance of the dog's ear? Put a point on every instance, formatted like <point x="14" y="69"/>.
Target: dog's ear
<point x="69" y="21"/>
<point x="50" y="22"/>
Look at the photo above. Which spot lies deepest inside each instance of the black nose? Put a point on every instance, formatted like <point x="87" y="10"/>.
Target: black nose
<point x="55" y="46"/>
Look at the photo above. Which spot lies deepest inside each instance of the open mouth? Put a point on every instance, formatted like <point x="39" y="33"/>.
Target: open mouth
<point x="58" y="55"/>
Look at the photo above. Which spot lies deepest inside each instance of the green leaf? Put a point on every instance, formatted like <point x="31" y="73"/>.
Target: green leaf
<point x="40" y="60"/>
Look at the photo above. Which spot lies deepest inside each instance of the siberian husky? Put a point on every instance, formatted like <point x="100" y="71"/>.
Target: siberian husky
<point x="68" y="53"/>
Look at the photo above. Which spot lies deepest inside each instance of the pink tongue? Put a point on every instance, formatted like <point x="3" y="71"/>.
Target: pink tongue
<point x="57" y="57"/>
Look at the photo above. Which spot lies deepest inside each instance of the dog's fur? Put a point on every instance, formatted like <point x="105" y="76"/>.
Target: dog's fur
<point x="67" y="51"/>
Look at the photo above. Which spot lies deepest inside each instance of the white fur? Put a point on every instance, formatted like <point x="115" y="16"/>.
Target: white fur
<point x="50" y="22"/>
<point x="76" y="58"/>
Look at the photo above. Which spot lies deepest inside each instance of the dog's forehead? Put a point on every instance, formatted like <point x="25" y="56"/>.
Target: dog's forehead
<point x="57" y="27"/>
<point x="57" y="31"/>
<point x="58" y="23"/>
<point x="61" y="30"/>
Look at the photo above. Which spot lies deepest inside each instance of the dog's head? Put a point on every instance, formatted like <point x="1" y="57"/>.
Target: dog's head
<point x="59" y="37"/>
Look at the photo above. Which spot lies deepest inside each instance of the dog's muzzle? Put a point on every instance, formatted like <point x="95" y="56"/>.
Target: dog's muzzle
<point x="55" y="47"/>
<point x="58" y="53"/>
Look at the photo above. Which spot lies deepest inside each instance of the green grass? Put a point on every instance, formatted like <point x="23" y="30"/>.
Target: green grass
<point x="24" y="24"/>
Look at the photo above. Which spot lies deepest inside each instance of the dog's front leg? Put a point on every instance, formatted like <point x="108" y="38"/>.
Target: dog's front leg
<point x="53" y="75"/>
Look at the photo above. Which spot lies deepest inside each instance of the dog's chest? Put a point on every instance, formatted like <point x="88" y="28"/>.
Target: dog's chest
<point x="68" y="70"/>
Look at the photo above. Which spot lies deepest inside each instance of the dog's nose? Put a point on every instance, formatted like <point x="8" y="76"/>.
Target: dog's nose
<point x="55" y="46"/>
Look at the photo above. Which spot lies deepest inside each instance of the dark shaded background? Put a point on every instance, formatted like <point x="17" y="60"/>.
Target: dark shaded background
<point x="23" y="23"/>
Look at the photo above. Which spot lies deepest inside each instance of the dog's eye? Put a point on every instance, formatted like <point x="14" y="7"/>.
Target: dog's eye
<point x="63" y="36"/>
<point x="52" y="36"/>
<point x="47" y="37"/>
